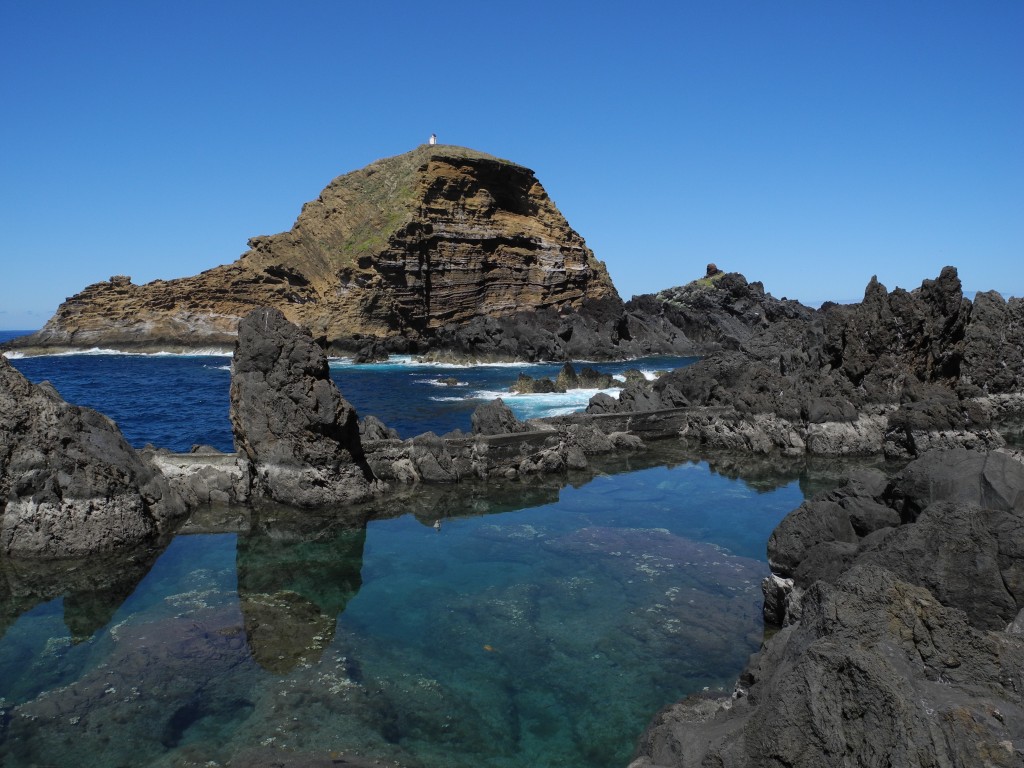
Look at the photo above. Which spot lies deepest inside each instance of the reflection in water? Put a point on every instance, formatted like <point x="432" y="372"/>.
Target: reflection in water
<point x="296" y="573"/>
<point x="93" y="588"/>
<point x="543" y="624"/>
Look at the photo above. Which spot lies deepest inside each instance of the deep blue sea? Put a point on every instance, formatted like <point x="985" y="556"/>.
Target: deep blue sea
<point x="543" y="625"/>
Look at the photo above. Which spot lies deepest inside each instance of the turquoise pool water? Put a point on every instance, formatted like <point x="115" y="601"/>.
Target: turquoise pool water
<point x="523" y="633"/>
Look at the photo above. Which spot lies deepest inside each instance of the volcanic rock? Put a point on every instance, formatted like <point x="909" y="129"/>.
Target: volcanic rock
<point x="495" y="418"/>
<point x="567" y="379"/>
<point x="300" y="435"/>
<point x="719" y="311"/>
<point x="70" y="484"/>
<point x="900" y="599"/>
<point x="899" y="373"/>
<point x="442" y="247"/>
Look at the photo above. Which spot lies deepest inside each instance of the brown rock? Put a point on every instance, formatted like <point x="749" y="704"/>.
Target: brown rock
<point x="396" y="250"/>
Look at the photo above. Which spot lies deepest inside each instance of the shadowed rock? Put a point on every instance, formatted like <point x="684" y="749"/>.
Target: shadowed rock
<point x="289" y="419"/>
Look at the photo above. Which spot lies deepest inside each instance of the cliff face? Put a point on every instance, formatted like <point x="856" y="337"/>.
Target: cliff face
<point x="397" y="250"/>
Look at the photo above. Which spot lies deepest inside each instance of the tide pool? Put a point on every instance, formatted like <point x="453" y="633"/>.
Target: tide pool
<point x="544" y="635"/>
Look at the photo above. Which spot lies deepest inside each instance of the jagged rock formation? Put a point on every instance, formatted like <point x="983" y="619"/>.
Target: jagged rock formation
<point x="719" y="311"/>
<point x="411" y="252"/>
<point x="566" y="379"/>
<point x="903" y="643"/>
<point x="898" y="373"/>
<point x="300" y="436"/>
<point x="70" y="485"/>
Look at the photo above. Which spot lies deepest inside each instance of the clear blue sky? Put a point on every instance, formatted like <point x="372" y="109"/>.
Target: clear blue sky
<point x="808" y="145"/>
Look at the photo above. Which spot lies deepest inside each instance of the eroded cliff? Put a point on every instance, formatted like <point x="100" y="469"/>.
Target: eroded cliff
<point x="394" y="252"/>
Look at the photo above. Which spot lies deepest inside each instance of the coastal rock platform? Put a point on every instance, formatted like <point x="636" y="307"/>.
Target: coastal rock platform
<point x="897" y="374"/>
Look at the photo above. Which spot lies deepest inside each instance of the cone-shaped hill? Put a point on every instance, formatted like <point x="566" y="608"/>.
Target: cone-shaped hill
<point x="401" y="253"/>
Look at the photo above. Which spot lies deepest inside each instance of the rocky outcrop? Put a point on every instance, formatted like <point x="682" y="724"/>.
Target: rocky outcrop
<point x="70" y="484"/>
<point x="720" y="311"/>
<point x="439" y="248"/>
<point x="900" y="600"/>
<point x="495" y="418"/>
<point x="899" y="373"/>
<point x="300" y="436"/>
<point x="567" y="379"/>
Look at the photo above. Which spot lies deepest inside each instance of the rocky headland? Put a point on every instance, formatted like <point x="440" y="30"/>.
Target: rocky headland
<point x="442" y="251"/>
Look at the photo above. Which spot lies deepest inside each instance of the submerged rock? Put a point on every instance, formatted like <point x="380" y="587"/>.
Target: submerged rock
<point x="70" y="484"/>
<point x="299" y="434"/>
<point x="296" y="575"/>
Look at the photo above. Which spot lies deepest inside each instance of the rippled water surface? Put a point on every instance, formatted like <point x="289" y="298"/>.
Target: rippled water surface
<point x="540" y="626"/>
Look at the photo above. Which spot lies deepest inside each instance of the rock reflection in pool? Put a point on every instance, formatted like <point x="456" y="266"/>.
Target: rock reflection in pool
<point x="296" y="573"/>
<point x="537" y="636"/>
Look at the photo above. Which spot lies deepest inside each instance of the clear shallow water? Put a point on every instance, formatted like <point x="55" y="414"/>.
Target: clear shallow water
<point x="542" y="636"/>
<point x="542" y="625"/>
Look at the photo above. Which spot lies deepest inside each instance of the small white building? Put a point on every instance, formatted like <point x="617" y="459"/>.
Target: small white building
<point x="433" y="139"/>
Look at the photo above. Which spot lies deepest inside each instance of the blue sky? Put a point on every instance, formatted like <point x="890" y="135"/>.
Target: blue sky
<point x="808" y="145"/>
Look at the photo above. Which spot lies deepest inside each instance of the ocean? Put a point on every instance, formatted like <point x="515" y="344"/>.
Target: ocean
<point x="544" y="624"/>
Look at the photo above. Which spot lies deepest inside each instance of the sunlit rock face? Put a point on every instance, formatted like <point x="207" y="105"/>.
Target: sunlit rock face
<point x="394" y="251"/>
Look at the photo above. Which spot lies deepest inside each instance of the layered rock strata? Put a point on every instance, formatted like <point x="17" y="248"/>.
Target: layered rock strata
<point x="441" y="247"/>
<point x="70" y="484"/>
<point x="903" y="602"/>
<point x="899" y="373"/>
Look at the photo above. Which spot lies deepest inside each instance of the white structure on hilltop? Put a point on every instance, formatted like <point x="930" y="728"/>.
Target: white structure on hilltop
<point x="433" y="139"/>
